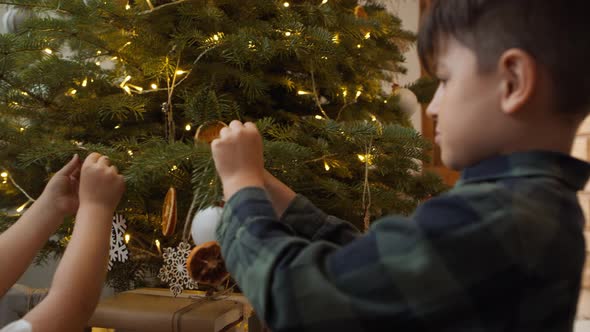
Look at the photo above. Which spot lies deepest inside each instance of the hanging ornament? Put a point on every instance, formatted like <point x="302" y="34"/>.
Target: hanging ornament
<point x="174" y="271"/>
<point x="118" y="251"/>
<point x="208" y="131"/>
<point x="359" y="12"/>
<point x="13" y="18"/>
<point x="408" y="102"/>
<point x="169" y="213"/>
<point x="205" y="264"/>
<point x="205" y="223"/>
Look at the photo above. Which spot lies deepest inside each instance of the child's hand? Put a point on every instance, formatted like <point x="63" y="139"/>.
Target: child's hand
<point x="61" y="191"/>
<point x="100" y="183"/>
<point x="238" y="157"/>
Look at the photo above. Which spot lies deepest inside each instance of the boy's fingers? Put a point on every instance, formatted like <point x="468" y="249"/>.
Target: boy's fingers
<point x="236" y="124"/>
<point x="223" y="132"/>
<point x="250" y="125"/>
<point x="71" y="166"/>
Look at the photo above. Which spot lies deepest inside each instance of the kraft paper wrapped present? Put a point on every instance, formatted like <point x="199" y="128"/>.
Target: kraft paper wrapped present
<point x="156" y="310"/>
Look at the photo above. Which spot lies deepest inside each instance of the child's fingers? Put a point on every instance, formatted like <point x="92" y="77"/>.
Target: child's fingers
<point x="250" y="125"/>
<point x="76" y="173"/>
<point x="104" y="160"/>
<point x="92" y="158"/>
<point x="71" y="166"/>
<point x="236" y="124"/>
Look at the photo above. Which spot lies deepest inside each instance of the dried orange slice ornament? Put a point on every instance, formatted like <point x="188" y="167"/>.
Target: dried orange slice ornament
<point x="208" y="131"/>
<point x="205" y="264"/>
<point x="169" y="213"/>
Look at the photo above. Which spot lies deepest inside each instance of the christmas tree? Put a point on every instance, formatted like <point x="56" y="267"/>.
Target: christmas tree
<point x="136" y="81"/>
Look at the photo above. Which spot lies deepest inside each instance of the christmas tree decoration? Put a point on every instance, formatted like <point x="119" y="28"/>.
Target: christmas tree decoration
<point x="408" y="102"/>
<point x="207" y="132"/>
<point x="360" y="12"/>
<point x="118" y="251"/>
<point x="205" y="224"/>
<point x="13" y="18"/>
<point x="205" y="264"/>
<point x="174" y="271"/>
<point x="169" y="213"/>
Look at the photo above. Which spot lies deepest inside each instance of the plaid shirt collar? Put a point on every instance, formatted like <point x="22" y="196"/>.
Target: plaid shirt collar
<point x="572" y="171"/>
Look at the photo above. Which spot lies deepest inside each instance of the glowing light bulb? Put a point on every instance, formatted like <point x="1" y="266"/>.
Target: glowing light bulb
<point x="368" y="35"/>
<point x="22" y="207"/>
<point x="326" y="166"/>
<point x="187" y="127"/>
<point x="4" y="174"/>
<point x="48" y="51"/>
<point x="286" y="4"/>
<point x="154" y="86"/>
<point x="85" y="82"/>
<point x="127" y="238"/>
<point x="180" y="72"/>
<point x="301" y="92"/>
<point x="319" y="117"/>
<point x="359" y="46"/>
<point x="287" y="33"/>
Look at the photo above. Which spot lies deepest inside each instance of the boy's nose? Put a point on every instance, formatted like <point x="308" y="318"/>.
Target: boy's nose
<point x="433" y="108"/>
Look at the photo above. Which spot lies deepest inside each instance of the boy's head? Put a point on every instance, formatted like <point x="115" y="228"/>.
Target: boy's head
<point x="514" y="75"/>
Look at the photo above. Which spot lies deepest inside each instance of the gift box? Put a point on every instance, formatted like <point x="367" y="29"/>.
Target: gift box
<point x="157" y="310"/>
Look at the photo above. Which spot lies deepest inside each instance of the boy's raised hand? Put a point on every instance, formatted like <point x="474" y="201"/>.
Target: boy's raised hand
<point x="100" y="183"/>
<point x="61" y="192"/>
<point x="238" y="157"/>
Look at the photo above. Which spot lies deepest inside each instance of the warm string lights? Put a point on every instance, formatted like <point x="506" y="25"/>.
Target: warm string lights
<point x="5" y="176"/>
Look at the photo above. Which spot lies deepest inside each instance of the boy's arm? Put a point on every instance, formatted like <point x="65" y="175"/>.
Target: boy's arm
<point x="305" y="218"/>
<point x="21" y="242"/>
<point x="388" y="277"/>
<point x="79" y="278"/>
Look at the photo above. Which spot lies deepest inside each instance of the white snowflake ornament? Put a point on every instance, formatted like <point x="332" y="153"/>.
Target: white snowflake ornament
<point x="174" y="271"/>
<point x="118" y="252"/>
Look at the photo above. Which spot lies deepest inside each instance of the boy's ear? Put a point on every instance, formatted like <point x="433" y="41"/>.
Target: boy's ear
<point x="518" y="75"/>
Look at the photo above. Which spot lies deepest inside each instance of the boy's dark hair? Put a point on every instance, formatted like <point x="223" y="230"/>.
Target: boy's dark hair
<point x="553" y="32"/>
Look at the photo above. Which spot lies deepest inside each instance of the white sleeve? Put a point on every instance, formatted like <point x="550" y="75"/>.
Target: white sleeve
<point x="18" y="326"/>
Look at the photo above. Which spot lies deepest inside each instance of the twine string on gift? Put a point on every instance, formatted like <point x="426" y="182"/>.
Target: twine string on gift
<point x="177" y="316"/>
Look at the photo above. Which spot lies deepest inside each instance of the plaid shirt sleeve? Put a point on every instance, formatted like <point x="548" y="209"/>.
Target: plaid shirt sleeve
<point x="396" y="275"/>
<point x="312" y="223"/>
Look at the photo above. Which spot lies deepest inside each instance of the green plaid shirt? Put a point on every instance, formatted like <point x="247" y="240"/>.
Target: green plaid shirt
<point x="502" y="251"/>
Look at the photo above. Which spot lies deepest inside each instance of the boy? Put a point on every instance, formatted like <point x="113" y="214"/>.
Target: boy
<point x="502" y="251"/>
<point x="93" y="189"/>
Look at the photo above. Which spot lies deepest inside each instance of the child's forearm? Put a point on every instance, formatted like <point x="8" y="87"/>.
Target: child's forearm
<point x="280" y="194"/>
<point x="21" y="242"/>
<point x="79" y="278"/>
